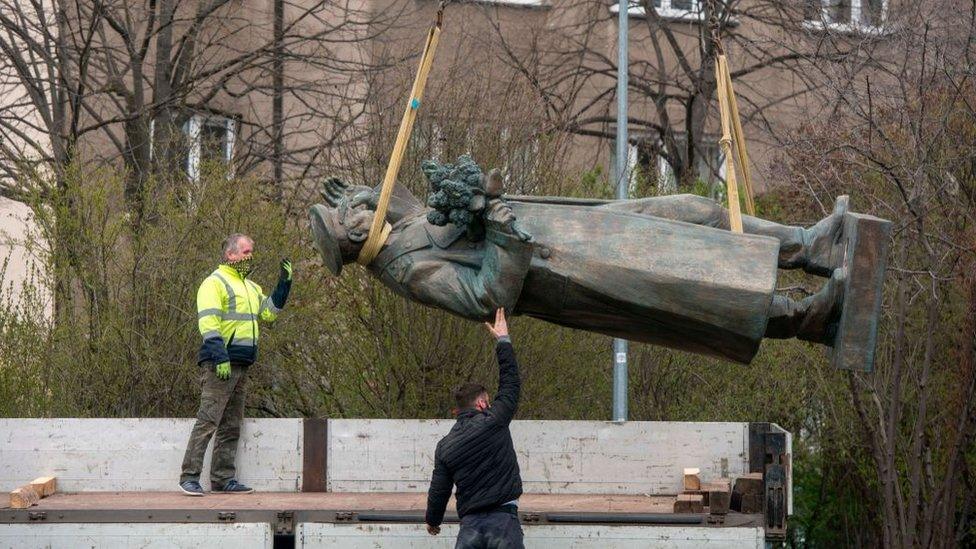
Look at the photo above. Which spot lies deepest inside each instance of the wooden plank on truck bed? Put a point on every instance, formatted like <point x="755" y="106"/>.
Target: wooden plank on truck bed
<point x="44" y="486"/>
<point x="747" y="493"/>
<point x="24" y="497"/>
<point x="720" y="486"/>
<point x="691" y="479"/>
<point x="688" y="503"/>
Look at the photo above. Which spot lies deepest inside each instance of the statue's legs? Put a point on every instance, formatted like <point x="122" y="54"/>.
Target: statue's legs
<point x="800" y="248"/>
<point x="813" y="318"/>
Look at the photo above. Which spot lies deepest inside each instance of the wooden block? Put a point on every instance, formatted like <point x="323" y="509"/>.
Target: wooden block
<point x="24" y="497"/>
<point x="723" y="489"/>
<point x="865" y="257"/>
<point x="751" y="503"/>
<point x="44" y="486"/>
<point x="691" y="481"/>
<point x="688" y="503"/>
<point x="717" y="485"/>
<point x="748" y="489"/>
<point x="696" y="493"/>
<point x="719" y="502"/>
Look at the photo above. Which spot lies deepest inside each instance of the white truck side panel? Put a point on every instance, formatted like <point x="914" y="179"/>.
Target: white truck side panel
<point x="144" y="535"/>
<point x="574" y="457"/>
<point x="311" y="535"/>
<point x="140" y="454"/>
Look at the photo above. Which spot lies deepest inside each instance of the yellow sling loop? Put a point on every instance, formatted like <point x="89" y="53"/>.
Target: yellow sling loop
<point x="380" y="229"/>
<point x="732" y="132"/>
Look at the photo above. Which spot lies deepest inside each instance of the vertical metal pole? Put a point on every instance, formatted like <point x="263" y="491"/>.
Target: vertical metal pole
<point x="277" y="100"/>
<point x="623" y="188"/>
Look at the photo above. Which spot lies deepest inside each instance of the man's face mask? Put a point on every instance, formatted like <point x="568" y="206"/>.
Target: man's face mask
<point x="243" y="266"/>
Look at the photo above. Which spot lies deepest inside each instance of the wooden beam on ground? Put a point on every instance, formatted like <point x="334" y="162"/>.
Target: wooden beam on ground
<point x="24" y="497"/>
<point x="45" y="486"/>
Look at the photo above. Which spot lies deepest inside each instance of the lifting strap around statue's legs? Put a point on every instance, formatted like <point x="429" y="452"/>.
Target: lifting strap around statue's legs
<point x="731" y="132"/>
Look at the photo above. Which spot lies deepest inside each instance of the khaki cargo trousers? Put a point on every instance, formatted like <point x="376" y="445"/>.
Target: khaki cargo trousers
<point x="221" y="411"/>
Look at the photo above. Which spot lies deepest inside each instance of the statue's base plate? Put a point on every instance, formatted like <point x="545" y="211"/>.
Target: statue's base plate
<point x="865" y="248"/>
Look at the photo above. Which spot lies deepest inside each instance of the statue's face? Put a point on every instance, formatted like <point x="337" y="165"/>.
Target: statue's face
<point x="349" y="215"/>
<point x="353" y="221"/>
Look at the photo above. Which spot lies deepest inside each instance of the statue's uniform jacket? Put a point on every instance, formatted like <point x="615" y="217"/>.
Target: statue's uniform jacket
<point x="622" y="274"/>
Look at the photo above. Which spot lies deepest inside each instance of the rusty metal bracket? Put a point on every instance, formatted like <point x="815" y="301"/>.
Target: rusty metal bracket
<point x="531" y="517"/>
<point x="36" y="516"/>
<point x="284" y="522"/>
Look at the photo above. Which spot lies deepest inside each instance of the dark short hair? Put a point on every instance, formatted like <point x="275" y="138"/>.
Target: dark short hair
<point x="467" y="393"/>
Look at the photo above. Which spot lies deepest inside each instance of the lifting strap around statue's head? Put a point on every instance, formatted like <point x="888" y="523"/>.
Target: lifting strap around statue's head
<point x="380" y="229"/>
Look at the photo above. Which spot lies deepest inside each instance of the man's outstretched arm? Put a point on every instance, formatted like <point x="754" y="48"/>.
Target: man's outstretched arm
<point x="509" y="385"/>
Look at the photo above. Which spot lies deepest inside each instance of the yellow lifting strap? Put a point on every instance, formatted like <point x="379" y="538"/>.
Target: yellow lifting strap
<point x="732" y="132"/>
<point x="379" y="231"/>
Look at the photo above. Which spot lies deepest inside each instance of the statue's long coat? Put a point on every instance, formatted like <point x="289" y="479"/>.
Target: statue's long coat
<point x="623" y="274"/>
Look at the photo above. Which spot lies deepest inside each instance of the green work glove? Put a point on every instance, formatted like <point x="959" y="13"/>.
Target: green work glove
<point x="285" y="270"/>
<point x="223" y="370"/>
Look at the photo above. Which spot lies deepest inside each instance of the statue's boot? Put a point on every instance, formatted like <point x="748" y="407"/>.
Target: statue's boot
<point x="813" y="318"/>
<point x="811" y="249"/>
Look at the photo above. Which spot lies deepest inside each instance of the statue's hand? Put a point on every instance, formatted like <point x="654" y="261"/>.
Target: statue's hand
<point x="333" y="190"/>
<point x="368" y="196"/>
<point x="499" y="215"/>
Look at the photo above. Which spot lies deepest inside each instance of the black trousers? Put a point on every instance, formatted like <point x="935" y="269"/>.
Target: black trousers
<point x="490" y="530"/>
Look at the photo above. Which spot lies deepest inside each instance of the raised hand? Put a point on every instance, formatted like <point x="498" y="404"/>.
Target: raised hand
<point x="333" y="189"/>
<point x="500" y="212"/>
<point x="500" y="328"/>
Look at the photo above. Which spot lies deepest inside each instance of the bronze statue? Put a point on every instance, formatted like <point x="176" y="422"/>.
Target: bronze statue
<point x="662" y="270"/>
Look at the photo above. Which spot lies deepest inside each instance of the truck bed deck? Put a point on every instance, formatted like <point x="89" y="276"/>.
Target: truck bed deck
<point x="360" y="501"/>
<point x="349" y="507"/>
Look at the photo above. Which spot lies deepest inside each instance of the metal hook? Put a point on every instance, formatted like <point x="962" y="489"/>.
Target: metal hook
<point x="440" y="12"/>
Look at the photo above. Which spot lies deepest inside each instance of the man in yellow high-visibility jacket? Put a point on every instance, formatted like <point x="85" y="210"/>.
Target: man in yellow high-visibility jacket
<point x="228" y="309"/>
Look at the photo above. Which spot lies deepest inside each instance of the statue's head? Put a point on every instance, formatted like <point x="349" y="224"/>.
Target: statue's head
<point x="340" y="228"/>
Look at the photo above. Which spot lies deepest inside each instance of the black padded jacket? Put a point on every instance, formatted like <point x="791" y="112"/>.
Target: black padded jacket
<point x="478" y="455"/>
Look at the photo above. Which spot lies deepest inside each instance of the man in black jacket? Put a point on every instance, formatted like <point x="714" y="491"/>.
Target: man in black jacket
<point x="478" y="456"/>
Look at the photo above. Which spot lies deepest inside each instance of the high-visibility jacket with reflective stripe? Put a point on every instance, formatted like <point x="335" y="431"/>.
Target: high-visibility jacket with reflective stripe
<point x="228" y="310"/>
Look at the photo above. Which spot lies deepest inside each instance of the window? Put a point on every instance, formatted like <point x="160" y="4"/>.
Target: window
<point x="530" y="4"/>
<point x="210" y="138"/>
<point x="854" y="16"/>
<point x="677" y="8"/>
<point x="669" y="9"/>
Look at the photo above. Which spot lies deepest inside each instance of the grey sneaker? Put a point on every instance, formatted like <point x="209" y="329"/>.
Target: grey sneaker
<point x="233" y="487"/>
<point x="191" y="488"/>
